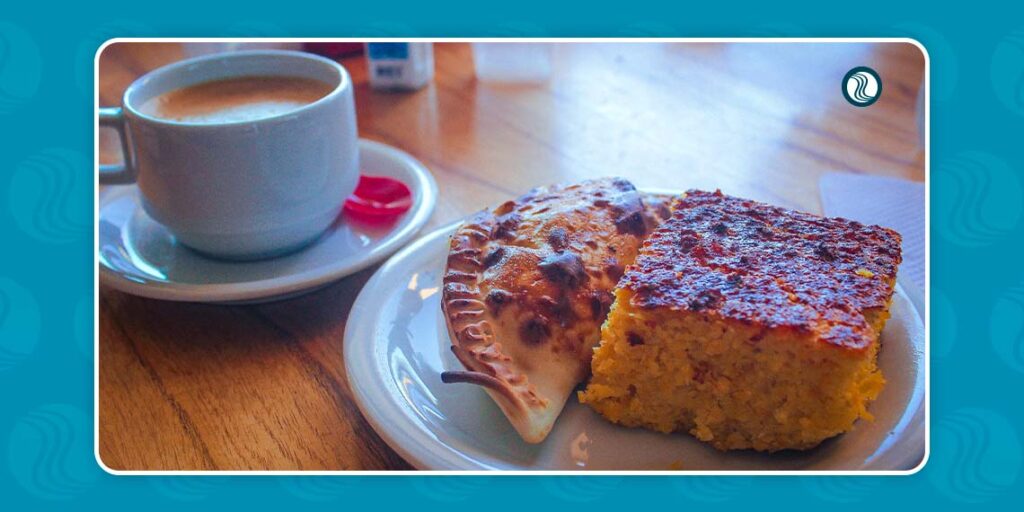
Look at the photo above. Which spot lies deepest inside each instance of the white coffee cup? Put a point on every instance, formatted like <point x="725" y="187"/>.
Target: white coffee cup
<point x="246" y="189"/>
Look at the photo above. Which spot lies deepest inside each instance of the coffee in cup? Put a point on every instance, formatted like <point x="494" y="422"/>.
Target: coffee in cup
<point x="239" y="99"/>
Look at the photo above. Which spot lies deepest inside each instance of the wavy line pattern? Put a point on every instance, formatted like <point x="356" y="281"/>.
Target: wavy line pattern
<point x="711" y="489"/>
<point x="253" y="28"/>
<point x="580" y="490"/>
<point x="858" y="89"/>
<point x="185" y="488"/>
<point x="519" y="29"/>
<point x="389" y="29"/>
<point x="49" y="195"/>
<point x="978" y="199"/>
<point x="647" y="29"/>
<point x="1006" y="328"/>
<point x="49" y="452"/>
<point x="320" y="489"/>
<point x="945" y="63"/>
<point x="944" y="324"/>
<point x="86" y="51"/>
<point x="842" y="490"/>
<point x="862" y="80"/>
<point x="779" y="29"/>
<point x="976" y="455"/>
<point x="19" y="323"/>
<point x="451" y="490"/>
<point x="20" y="67"/>
<point x="83" y="326"/>
<point x="1007" y="71"/>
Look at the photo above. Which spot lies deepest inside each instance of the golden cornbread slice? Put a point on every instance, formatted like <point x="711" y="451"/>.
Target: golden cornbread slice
<point x="747" y="325"/>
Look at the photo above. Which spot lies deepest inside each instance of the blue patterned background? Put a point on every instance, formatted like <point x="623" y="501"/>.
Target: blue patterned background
<point x="46" y="267"/>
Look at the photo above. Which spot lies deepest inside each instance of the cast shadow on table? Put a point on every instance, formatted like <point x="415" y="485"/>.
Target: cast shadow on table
<point x="314" y="314"/>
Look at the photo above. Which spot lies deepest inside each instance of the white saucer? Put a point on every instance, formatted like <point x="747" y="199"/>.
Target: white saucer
<point x="396" y="346"/>
<point x="138" y="256"/>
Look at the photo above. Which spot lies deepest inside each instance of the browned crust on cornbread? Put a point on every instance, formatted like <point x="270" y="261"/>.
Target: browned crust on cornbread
<point x="768" y="266"/>
<point x="529" y="283"/>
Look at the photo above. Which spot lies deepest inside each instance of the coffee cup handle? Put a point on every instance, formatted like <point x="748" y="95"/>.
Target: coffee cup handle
<point x="123" y="173"/>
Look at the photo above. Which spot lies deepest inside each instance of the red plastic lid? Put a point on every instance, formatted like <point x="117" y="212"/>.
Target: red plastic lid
<point x="378" y="199"/>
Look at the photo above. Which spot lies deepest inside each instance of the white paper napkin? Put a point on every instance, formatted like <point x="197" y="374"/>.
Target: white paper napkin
<point x="891" y="202"/>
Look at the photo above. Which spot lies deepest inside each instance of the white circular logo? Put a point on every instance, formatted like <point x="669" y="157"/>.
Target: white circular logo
<point x="862" y="86"/>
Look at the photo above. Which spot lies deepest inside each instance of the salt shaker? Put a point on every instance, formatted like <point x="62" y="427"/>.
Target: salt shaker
<point x="403" y="66"/>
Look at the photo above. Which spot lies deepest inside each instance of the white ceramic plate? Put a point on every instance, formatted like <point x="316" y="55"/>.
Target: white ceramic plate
<point x="396" y="346"/>
<point x="138" y="255"/>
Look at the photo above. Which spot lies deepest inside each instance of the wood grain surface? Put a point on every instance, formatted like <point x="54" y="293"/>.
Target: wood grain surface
<point x="191" y="386"/>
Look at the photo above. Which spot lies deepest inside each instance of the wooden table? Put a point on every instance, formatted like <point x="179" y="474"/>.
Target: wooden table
<point x="191" y="386"/>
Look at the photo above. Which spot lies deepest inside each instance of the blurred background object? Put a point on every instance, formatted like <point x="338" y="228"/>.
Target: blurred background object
<point x="921" y="108"/>
<point x="334" y="50"/>
<point x="512" y="62"/>
<point x="400" y="66"/>
<point x="211" y="47"/>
